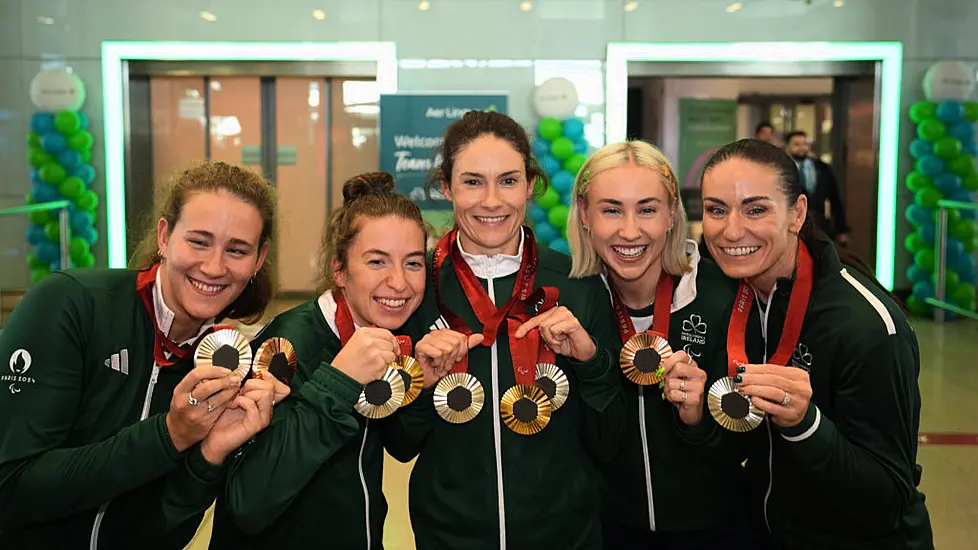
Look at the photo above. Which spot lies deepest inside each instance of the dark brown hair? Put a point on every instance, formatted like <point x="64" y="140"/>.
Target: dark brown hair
<point x="473" y="125"/>
<point x="212" y="177"/>
<point x="773" y="157"/>
<point x="369" y="195"/>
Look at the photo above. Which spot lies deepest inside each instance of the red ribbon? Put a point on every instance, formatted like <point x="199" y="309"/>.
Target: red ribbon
<point x="344" y="323"/>
<point x="145" y="281"/>
<point x="660" y="315"/>
<point x="520" y="307"/>
<point x="801" y="292"/>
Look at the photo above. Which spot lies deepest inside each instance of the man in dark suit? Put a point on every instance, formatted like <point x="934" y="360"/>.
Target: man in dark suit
<point x="820" y="185"/>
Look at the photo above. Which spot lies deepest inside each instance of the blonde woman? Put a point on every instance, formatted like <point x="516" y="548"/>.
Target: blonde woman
<point x="675" y="483"/>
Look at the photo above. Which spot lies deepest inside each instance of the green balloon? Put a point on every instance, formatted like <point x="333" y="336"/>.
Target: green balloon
<point x="961" y="165"/>
<point x="963" y="230"/>
<point x="964" y="294"/>
<point x="72" y="187"/>
<point x="922" y="110"/>
<point x="970" y="182"/>
<point x="931" y="130"/>
<point x="558" y="215"/>
<point x="928" y="197"/>
<point x="78" y="248"/>
<point x="87" y="156"/>
<point x="39" y="158"/>
<point x="88" y="201"/>
<point x="914" y="242"/>
<point x="971" y="111"/>
<point x="562" y="148"/>
<point x="33" y="262"/>
<point x="40" y="217"/>
<point x="574" y="164"/>
<point x="549" y="199"/>
<point x="917" y="306"/>
<point x="917" y="181"/>
<point x="952" y="217"/>
<point x="52" y="231"/>
<point x="29" y="199"/>
<point x="67" y="122"/>
<point x="52" y="173"/>
<point x="924" y="259"/>
<point x="947" y="147"/>
<point x="82" y="141"/>
<point x="88" y="260"/>
<point x="551" y="128"/>
<point x="972" y="245"/>
<point x="39" y="273"/>
<point x="33" y="139"/>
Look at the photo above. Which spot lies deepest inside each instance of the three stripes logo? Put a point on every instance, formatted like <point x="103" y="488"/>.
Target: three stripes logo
<point x="440" y="323"/>
<point x="119" y="361"/>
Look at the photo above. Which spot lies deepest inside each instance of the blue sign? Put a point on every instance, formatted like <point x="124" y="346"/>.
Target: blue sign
<point x="412" y="127"/>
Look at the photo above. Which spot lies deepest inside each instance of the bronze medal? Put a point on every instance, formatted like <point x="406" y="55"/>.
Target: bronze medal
<point x="226" y="348"/>
<point x="525" y="409"/>
<point x="459" y="397"/>
<point x="731" y="409"/>
<point x="554" y="383"/>
<point x="381" y="398"/>
<point x="277" y="357"/>
<point x="641" y="358"/>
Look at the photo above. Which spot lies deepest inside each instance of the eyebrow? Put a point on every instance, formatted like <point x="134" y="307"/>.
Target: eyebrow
<point x="748" y="200"/>
<point x="615" y="202"/>
<point x="379" y="252"/>
<point x="478" y="175"/>
<point x="209" y="235"/>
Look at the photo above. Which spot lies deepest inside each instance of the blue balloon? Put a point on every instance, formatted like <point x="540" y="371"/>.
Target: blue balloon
<point x="70" y="159"/>
<point x="969" y="214"/>
<point x="83" y="118"/>
<point x="927" y="232"/>
<point x="550" y="165"/>
<point x="560" y="245"/>
<point x="567" y="198"/>
<point x="947" y="183"/>
<point x="574" y="128"/>
<point x="969" y="148"/>
<point x="537" y="213"/>
<point x="36" y="176"/>
<point x="917" y="275"/>
<point x="954" y="248"/>
<point x="562" y="181"/>
<point x="931" y="165"/>
<point x="919" y="215"/>
<point x="42" y="123"/>
<point x="35" y="234"/>
<point x="920" y="148"/>
<point x="46" y="251"/>
<point x="56" y="265"/>
<point x="43" y="192"/>
<point x="963" y="131"/>
<point x="924" y="290"/>
<point x="541" y="147"/>
<point x="84" y="172"/>
<point x="89" y="234"/>
<point x="79" y="220"/>
<point x="961" y="195"/>
<point x="545" y="232"/>
<point x="581" y="146"/>
<point x="53" y="142"/>
<point x="950" y="111"/>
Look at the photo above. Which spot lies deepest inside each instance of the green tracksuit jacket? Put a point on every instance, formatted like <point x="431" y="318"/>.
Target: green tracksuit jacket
<point x="313" y="478"/>
<point x="670" y="477"/>
<point x="85" y="457"/>
<point x="480" y="485"/>
<point x="845" y="477"/>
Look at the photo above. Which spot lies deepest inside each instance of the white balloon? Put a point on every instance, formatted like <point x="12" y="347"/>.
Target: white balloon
<point x="57" y="91"/>
<point x="953" y="80"/>
<point x="557" y="98"/>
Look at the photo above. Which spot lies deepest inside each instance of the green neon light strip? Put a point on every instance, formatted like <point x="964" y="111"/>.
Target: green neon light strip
<point x="115" y="54"/>
<point x="27" y="209"/>
<point x="889" y="53"/>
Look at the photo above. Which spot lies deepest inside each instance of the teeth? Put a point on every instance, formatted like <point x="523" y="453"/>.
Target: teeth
<point x="492" y="219"/>
<point x="392" y="303"/>
<point x="741" y="250"/>
<point x="205" y="288"/>
<point x="630" y="251"/>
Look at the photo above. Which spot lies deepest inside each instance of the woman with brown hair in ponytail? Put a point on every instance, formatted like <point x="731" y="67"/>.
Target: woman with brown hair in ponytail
<point x="837" y="381"/>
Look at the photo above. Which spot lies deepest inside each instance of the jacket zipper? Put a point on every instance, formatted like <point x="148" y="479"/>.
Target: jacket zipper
<point x="496" y="423"/>
<point x="93" y="540"/>
<point x="770" y="444"/>
<point x="645" y="454"/>
<point x="363" y="481"/>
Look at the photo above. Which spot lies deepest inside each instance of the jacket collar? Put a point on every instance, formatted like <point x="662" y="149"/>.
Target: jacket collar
<point x="327" y="304"/>
<point x="492" y="267"/>
<point x="165" y="315"/>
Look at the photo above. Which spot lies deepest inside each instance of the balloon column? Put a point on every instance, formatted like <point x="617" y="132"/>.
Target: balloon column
<point x="60" y="155"/>
<point x="561" y="150"/>
<point x="944" y="154"/>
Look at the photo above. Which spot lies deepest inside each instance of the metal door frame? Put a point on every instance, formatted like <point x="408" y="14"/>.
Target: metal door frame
<point x="759" y="59"/>
<point x="116" y="57"/>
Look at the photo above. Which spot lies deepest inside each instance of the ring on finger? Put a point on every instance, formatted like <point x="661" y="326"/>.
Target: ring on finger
<point x="689" y="359"/>
<point x="683" y="402"/>
<point x="210" y="407"/>
<point x="785" y="400"/>
<point x="191" y="399"/>
<point x="682" y="385"/>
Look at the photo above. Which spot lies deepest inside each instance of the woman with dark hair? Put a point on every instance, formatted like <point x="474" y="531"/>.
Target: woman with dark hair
<point x="838" y="379"/>
<point x="505" y="458"/>
<point x="109" y="437"/>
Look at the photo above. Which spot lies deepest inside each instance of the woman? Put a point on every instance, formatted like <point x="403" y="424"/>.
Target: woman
<point x="838" y="467"/>
<point x="108" y="435"/>
<point x="629" y="224"/>
<point x="316" y="473"/>
<point x="497" y="466"/>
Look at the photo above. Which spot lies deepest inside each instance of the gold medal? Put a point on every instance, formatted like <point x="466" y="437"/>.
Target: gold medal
<point x="412" y="376"/>
<point x="525" y="409"/>
<point x="275" y="356"/>
<point x="641" y="358"/>
<point x="554" y="383"/>
<point x="226" y="348"/>
<point x="459" y="397"/>
<point x="731" y="409"/>
<point x="380" y="398"/>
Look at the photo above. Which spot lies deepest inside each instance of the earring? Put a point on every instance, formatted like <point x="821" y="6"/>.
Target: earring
<point x="793" y="232"/>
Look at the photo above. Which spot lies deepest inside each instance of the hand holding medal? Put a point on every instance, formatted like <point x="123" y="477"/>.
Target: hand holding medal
<point x="249" y="413"/>
<point x="781" y="392"/>
<point x="562" y="333"/>
<point x="439" y="350"/>
<point x="684" y="386"/>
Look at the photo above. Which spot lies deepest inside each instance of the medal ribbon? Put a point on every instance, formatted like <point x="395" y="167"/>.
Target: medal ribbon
<point x="344" y="323"/>
<point x="660" y="315"/>
<point x="526" y="351"/>
<point x="145" y="281"/>
<point x="801" y="292"/>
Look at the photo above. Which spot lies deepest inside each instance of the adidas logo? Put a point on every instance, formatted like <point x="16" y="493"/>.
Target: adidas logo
<point x="440" y="323"/>
<point x="119" y="361"/>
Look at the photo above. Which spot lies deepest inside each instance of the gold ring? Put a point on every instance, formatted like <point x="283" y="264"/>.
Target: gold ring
<point x="682" y="384"/>
<point x="786" y="400"/>
<point x="683" y="402"/>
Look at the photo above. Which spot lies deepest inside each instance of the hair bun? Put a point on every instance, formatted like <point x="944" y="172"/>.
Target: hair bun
<point x="370" y="183"/>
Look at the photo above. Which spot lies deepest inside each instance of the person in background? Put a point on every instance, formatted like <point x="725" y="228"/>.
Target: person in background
<point x="820" y="185"/>
<point x="838" y="377"/>
<point x="765" y="132"/>
<point x="670" y="484"/>
<point x="506" y="457"/>
<point x="109" y="437"/>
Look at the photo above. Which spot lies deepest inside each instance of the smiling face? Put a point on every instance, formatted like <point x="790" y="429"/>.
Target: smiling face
<point x="209" y="254"/>
<point x="489" y="191"/>
<point x="384" y="275"/>
<point x="628" y="215"/>
<point x="748" y="224"/>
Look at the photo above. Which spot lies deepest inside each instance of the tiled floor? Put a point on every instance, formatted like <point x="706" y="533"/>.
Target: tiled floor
<point x="949" y="389"/>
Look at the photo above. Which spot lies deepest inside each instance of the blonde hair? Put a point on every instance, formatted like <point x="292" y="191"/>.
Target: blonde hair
<point x="584" y="259"/>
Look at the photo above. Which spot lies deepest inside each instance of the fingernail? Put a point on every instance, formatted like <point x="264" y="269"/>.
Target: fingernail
<point x="741" y="369"/>
<point x="738" y="379"/>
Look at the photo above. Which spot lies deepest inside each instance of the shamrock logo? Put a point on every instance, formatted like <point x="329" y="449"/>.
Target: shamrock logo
<point x="694" y="324"/>
<point x="801" y="355"/>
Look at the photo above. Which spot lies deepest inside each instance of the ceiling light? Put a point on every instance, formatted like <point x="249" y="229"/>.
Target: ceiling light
<point x="631" y="5"/>
<point x="734" y="7"/>
<point x="839" y="3"/>
<point x="208" y="16"/>
<point x="424" y="5"/>
<point x="526" y="5"/>
<point x="319" y="14"/>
